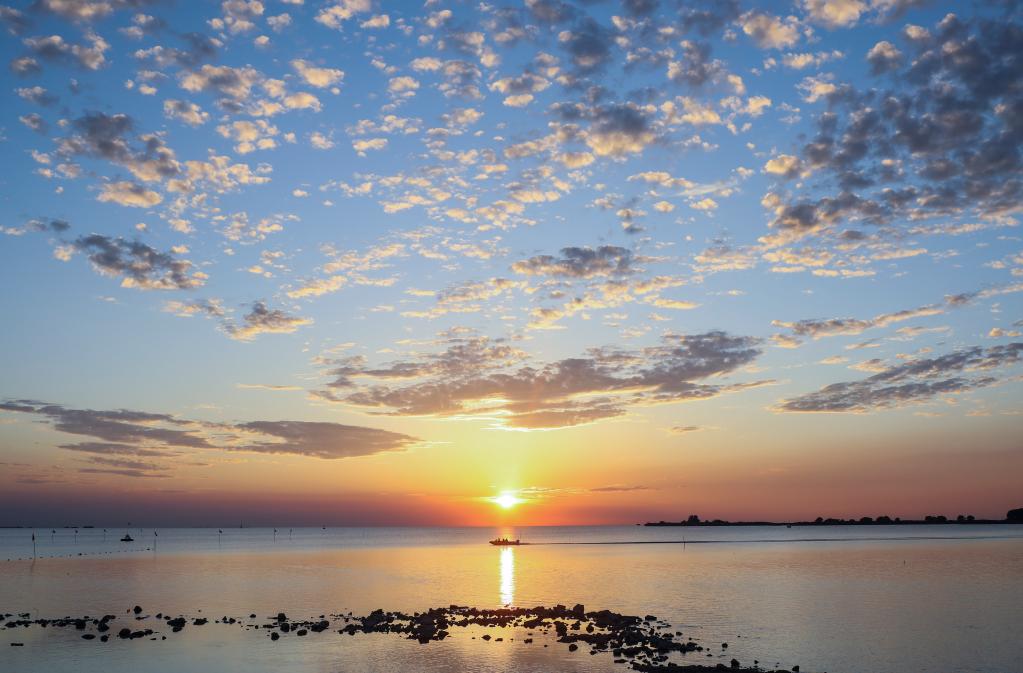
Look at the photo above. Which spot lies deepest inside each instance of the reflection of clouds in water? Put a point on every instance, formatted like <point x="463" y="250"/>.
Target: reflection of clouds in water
<point x="507" y="575"/>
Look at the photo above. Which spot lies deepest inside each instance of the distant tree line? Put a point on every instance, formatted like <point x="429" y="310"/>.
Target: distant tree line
<point x="1012" y="516"/>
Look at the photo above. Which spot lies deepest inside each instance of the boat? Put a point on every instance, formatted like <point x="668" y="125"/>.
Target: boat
<point x="505" y="542"/>
<point x="127" y="538"/>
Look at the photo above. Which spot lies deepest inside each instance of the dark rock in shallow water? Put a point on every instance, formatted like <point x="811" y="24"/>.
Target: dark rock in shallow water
<point x="645" y="644"/>
<point x="137" y="609"/>
<point x="88" y="636"/>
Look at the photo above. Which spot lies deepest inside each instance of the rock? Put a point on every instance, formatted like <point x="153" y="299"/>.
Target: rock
<point x="88" y="636"/>
<point x="137" y="609"/>
<point x="301" y="632"/>
<point x="572" y="647"/>
<point x="275" y="636"/>
<point x="281" y="617"/>
<point x="735" y="663"/>
<point x="124" y="633"/>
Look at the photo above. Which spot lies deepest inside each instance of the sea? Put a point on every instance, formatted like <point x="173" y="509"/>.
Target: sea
<point x="842" y="599"/>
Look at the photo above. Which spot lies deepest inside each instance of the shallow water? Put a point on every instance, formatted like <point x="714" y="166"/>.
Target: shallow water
<point x="839" y="599"/>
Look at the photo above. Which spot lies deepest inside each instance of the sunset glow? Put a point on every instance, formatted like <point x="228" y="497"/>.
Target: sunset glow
<point x="372" y="263"/>
<point x="506" y="500"/>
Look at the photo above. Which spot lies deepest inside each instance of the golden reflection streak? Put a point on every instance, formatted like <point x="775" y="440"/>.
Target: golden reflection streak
<point x="507" y="575"/>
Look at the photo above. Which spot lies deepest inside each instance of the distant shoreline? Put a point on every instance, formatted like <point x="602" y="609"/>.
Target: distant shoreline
<point x="828" y="522"/>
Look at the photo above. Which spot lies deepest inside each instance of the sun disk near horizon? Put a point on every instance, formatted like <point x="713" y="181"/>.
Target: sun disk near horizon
<point x="506" y="500"/>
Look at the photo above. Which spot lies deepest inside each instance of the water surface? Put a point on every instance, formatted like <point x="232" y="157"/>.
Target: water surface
<point x="841" y="599"/>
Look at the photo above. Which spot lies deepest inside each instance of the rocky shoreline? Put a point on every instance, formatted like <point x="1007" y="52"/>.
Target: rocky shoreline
<point x="645" y="643"/>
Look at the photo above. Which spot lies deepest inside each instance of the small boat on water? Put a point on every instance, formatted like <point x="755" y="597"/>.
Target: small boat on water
<point x="505" y="542"/>
<point x="127" y="538"/>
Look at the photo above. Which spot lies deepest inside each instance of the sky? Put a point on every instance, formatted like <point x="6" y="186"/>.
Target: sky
<point x="375" y="263"/>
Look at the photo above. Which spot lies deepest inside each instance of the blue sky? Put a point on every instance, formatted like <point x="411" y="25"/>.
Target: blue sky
<point x="725" y="231"/>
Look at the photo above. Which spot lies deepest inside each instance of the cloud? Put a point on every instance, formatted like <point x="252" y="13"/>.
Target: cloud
<point x="236" y="83"/>
<point x="184" y="111"/>
<point x="618" y="130"/>
<point x="14" y="19"/>
<point x="84" y="10"/>
<point x="785" y="165"/>
<point x="847" y="326"/>
<point x="618" y="489"/>
<point x="911" y="382"/>
<point x="334" y="16"/>
<point x="37" y="95"/>
<point x="263" y="320"/>
<point x="137" y="264"/>
<point x="129" y="194"/>
<point x="576" y="262"/>
<point x="317" y="77"/>
<point x="694" y="66"/>
<point x="477" y="377"/>
<point x="938" y="136"/>
<point x="112" y="137"/>
<point x="835" y="13"/>
<point x="55" y="48"/>
<point x="323" y="440"/>
<point x="817" y="328"/>
<point x="883" y="57"/>
<point x="588" y="45"/>
<point x="119" y="427"/>
<point x="770" y="32"/>
<point x="126" y="436"/>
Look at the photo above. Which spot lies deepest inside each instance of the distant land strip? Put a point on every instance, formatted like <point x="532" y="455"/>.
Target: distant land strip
<point x="1012" y="516"/>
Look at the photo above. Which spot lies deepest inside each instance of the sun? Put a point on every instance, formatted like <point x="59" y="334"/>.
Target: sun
<point x="506" y="500"/>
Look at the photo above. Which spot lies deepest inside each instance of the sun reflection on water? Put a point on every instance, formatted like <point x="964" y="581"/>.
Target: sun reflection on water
<point x="507" y="575"/>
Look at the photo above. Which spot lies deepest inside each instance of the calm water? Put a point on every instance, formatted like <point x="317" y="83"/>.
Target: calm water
<point x="845" y="600"/>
